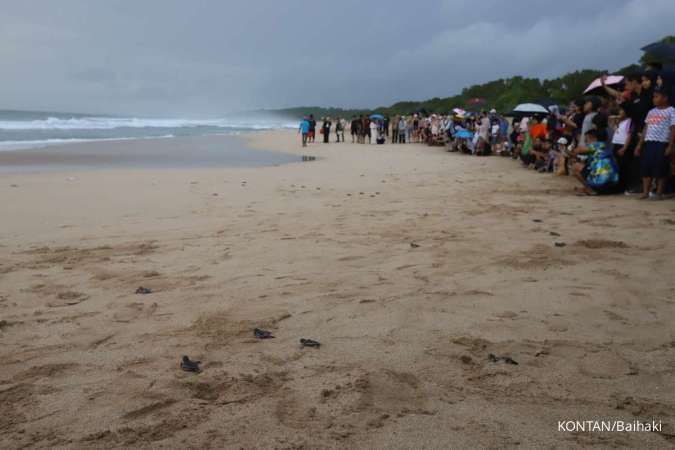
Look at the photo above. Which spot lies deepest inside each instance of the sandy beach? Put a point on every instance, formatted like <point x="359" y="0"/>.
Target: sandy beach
<point x="409" y="264"/>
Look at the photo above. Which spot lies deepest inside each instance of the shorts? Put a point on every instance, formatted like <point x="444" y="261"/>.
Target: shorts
<point x="653" y="160"/>
<point x="310" y="134"/>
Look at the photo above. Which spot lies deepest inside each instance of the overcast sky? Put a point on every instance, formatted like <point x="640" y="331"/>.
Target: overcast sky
<point x="206" y="57"/>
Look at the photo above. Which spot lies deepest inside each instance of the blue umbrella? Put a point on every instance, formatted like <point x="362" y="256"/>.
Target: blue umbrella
<point x="376" y="117"/>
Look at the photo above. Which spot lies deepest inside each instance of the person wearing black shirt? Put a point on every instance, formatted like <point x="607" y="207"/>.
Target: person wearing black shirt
<point x="574" y="121"/>
<point x="355" y="128"/>
<point x="325" y="128"/>
<point x="637" y="105"/>
<point x="640" y="103"/>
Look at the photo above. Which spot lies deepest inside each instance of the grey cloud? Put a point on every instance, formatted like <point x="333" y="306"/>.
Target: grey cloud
<point x="207" y="57"/>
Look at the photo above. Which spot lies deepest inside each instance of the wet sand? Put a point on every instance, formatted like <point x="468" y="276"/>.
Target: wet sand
<point x="152" y="153"/>
<point x="323" y="250"/>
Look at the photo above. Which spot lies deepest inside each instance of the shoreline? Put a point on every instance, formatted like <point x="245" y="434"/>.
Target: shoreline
<point x="176" y="153"/>
<point x="322" y="250"/>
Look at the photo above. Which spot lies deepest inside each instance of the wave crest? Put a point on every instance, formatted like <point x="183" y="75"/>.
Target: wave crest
<point x="109" y="123"/>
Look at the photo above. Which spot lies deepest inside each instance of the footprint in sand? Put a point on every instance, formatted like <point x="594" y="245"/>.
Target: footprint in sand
<point x="507" y="315"/>
<point x="68" y="298"/>
<point x="601" y="243"/>
<point x="557" y="327"/>
<point x="604" y="364"/>
<point x="133" y="311"/>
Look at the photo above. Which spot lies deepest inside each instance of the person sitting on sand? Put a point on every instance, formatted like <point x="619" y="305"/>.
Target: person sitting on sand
<point x="542" y="154"/>
<point x="538" y="129"/>
<point x="560" y="154"/>
<point x="525" y="153"/>
<point x="598" y="173"/>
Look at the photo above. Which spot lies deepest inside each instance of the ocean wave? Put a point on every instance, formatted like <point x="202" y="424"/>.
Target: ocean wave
<point x="110" y="123"/>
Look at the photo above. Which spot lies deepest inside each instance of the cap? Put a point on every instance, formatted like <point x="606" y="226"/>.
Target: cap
<point x="562" y="141"/>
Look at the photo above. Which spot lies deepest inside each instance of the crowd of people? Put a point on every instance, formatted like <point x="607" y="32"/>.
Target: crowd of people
<point x="619" y="140"/>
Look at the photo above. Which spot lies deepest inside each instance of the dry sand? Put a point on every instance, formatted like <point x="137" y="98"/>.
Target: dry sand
<point x="323" y="250"/>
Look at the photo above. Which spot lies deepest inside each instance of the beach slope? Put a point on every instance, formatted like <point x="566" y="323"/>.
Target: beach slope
<point x="410" y="265"/>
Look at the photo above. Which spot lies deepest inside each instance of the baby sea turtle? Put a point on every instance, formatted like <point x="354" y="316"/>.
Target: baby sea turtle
<point x="262" y="334"/>
<point x="190" y="366"/>
<point x="309" y="343"/>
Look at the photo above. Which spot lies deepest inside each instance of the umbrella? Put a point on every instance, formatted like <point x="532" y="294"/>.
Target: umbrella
<point x="376" y="117"/>
<point x="529" y="108"/>
<point x="597" y="83"/>
<point x="661" y="50"/>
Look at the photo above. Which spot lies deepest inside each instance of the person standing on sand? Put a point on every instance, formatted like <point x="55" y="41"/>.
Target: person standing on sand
<point x="394" y="130"/>
<point x="402" y="124"/>
<point x="339" y="129"/>
<point x="373" y="132"/>
<point x="365" y="130"/>
<point x="410" y="129"/>
<point x="656" y="145"/>
<point x="304" y="130"/>
<point x="311" y="136"/>
<point x="355" y="129"/>
<point x="325" y="129"/>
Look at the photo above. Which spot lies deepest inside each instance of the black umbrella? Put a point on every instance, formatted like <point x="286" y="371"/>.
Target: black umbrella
<point x="546" y="102"/>
<point x="661" y="50"/>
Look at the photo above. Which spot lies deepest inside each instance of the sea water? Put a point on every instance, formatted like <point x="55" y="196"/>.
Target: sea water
<point x="43" y="139"/>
